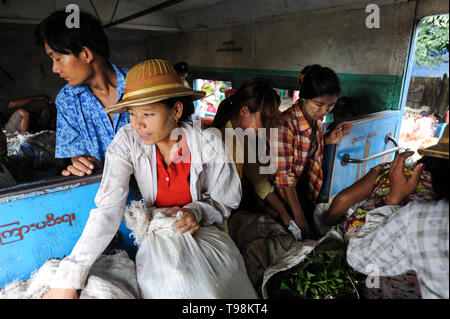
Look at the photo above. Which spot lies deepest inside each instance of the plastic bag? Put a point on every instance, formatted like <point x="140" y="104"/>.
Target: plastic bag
<point x="111" y="277"/>
<point x="181" y="266"/>
<point x="35" y="150"/>
<point x="34" y="287"/>
<point x="322" y="228"/>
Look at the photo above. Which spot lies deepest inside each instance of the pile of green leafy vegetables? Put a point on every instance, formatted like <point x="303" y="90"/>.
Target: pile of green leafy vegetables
<point x="324" y="274"/>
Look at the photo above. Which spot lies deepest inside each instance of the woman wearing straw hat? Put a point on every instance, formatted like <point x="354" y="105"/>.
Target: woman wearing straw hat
<point x="193" y="170"/>
<point x="395" y="239"/>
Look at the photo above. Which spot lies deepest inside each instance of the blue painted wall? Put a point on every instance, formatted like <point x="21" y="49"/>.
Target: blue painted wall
<point x="45" y="224"/>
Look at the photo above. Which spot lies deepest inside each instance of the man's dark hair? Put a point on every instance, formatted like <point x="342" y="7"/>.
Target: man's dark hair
<point x="439" y="178"/>
<point x="438" y="168"/>
<point x="53" y="31"/>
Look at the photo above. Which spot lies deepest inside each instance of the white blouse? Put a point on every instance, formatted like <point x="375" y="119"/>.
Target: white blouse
<point x="215" y="189"/>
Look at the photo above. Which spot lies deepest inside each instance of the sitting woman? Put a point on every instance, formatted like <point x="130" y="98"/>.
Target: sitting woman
<point x="193" y="171"/>
<point x="396" y="238"/>
<point x="369" y="192"/>
<point x="253" y="106"/>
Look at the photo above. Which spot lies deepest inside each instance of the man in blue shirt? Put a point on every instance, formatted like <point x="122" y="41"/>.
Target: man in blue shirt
<point x="80" y="56"/>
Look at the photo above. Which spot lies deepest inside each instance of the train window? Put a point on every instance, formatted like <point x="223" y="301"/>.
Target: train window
<point x="206" y="108"/>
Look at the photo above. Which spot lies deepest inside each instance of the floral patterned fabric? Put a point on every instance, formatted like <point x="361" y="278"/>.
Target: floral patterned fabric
<point x="404" y="286"/>
<point x="377" y="195"/>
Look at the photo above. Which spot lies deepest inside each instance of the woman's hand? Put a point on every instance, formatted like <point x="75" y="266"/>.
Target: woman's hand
<point x="401" y="185"/>
<point x="187" y="222"/>
<point x="301" y="222"/>
<point x="338" y="133"/>
<point x="82" y="165"/>
<point x="60" y="293"/>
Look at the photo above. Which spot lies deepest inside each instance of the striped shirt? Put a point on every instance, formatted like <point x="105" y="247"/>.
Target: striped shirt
<point x="395" y="239"/>
<point x="293" y="147"/>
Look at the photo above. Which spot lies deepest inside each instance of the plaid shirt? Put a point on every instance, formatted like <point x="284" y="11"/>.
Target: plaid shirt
<point x="294" y="142"/>
<point x="397" y="239"/>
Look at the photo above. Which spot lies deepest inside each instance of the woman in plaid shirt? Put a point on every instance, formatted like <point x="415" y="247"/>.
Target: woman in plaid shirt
<point x="301" y="142"/>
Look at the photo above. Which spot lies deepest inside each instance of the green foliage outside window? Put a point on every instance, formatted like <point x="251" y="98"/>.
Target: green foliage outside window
<point x="433" y="41"/>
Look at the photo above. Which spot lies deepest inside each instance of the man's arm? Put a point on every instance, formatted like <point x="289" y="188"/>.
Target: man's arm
<point x="69" y="141"/>
<point x="14" y="104"/>
<point x="382" y="243"/>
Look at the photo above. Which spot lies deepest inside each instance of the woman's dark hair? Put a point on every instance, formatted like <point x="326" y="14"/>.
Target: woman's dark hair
<point x="257" y="95"/>
<point x="53" y="31"/>
<point x="182" y="67"/>
<point x="188" y="106"/>
<point x="345" y="108"/>
<point x="316" y="81"/>
<point x="438" y="168"/>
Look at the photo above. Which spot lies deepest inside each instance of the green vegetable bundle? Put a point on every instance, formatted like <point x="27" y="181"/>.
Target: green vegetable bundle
<point x="324" y="274"/>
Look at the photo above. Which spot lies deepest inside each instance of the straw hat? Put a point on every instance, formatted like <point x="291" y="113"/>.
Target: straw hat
<point x="438" y="150"/>
<point x="149" y="82"/>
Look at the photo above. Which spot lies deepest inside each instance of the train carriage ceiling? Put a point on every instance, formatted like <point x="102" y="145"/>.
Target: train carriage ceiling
<point x="163" y="17"/>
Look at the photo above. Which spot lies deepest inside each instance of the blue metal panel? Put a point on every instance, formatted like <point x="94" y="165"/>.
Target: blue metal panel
<point x="367" y="139"/>
<point x="44" y="223"/>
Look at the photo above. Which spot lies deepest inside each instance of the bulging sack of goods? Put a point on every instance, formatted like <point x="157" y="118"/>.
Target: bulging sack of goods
<point x="181" y="266"/>
<point x="110" y="277"/>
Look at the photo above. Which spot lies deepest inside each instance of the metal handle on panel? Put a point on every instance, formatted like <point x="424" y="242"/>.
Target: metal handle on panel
<point x="389" y="137"/>
<point x="346" y="158"/>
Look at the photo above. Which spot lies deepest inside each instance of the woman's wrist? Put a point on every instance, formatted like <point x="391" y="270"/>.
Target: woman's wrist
<point x="393" y="200"/>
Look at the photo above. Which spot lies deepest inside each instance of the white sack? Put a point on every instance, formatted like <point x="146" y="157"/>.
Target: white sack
<point x="179" y="266"/>
<point x="321" y="227"/>
<point x="35" y="286"/>
<point x="111" y="277"/>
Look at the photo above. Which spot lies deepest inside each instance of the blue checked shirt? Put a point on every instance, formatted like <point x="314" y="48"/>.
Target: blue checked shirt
<point x="83" y="127"/>
<point x="396" y="239"/>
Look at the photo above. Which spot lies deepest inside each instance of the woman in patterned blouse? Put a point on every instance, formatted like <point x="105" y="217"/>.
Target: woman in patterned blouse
<point x="301" y="142"/>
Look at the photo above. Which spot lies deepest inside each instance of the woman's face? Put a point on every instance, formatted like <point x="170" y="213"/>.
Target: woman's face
<point x="154" y="122"/>
<point x="316" y="108"/>
<point x="250" y="120"/>
<point x="75" y="71"/>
